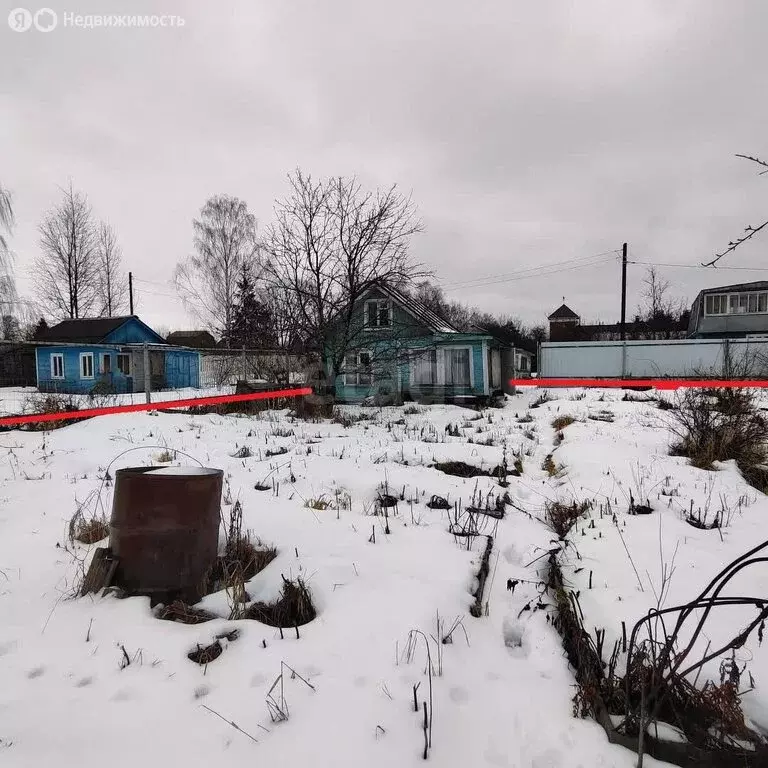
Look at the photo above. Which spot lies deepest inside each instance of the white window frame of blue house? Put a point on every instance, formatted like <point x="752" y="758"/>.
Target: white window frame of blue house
<point x="83" y="357"/>
<point x="379" y="304"/>
<point x="57" y="357"/>
<point x="354" y="379"/>
<point x="442" y="367"/>
<point x="125" y="368"/>
<point x="418" y="364"/>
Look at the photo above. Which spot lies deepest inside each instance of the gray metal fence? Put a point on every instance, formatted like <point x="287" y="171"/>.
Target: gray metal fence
<point x="686" y="358"/>
<point x="226" y="367"/>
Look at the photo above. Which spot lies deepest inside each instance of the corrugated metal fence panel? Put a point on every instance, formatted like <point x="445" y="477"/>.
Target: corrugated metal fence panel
<point x="648" y="359"/>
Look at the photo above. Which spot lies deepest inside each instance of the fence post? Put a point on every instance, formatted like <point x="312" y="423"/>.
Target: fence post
<point x="244" y="366"/>
<point x="147" y="375"/>
<point x="623" y="359"/>
<point x="726" y="359"/>
<point x="514" y="369"/>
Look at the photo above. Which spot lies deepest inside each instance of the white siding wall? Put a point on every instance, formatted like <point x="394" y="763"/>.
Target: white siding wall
<point x="648" y="359"/>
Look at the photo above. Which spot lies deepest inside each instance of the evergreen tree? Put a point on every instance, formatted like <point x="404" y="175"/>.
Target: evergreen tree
<point x="40" y="329"/>
<point x="252" y="325"/>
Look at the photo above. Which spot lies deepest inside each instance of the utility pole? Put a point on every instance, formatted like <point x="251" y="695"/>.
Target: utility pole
<point x="623" y="292"/>
<point x="130" y="290"/>
<point x="147" y="374"/>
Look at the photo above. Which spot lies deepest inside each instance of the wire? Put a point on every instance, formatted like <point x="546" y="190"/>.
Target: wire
<point x="502" y="277"/>
<point x="551" y="271"/>
<point x="698" y="266"/>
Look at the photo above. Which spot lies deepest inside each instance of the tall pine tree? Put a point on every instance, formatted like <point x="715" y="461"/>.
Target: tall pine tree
<point x="252" y="326"/>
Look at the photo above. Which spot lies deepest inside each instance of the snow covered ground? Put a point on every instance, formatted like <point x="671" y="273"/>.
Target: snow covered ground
<point x="20" y="400"/>
<point x="504" y="695"/>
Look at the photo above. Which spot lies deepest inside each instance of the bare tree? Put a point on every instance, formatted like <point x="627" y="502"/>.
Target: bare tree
<point x="329" y="243"/>
<point x="8" y="294"/>
<point x="225" y="240"/>
<point x="749" y="231"/>
<point x="66" y="269"/>
<point x="111" y="285"/>
<point x="655" y="292"/>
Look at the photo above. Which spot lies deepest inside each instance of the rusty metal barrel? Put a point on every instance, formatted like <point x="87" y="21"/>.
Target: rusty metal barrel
<point x="164" y="530"/>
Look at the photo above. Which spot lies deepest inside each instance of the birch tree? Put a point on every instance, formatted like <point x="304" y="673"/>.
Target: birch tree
<point x="329" y="243"/>
<point x="111" y="282"/>
<point x="224" y="241"/>
<point x="66" y="270"/>
<point x="8" y="294"/>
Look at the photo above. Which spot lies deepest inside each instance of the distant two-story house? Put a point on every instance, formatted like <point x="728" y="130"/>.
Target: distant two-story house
<point x="396" y="346"/>
<point x="731" y="311"/>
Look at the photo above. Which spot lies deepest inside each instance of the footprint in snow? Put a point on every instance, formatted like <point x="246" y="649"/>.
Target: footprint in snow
<point x="361" y="682"/>
<point x="36" y="672"/>
<point x="83" y="682"/>
<point x="124" y="694"/>
<point x="511" y="555"/>
<point x="459" y="695"/>
<point x="552" y="758"/>
<point x="514" y="634"/>
<point x="257" y="680"/>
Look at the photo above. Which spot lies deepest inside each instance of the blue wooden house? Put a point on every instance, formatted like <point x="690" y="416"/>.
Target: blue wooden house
<point x="395" y="346"/>
<point x="107" y="355"/>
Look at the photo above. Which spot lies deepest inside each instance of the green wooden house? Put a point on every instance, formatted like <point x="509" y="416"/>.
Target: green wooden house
<point x="396" y="348"/>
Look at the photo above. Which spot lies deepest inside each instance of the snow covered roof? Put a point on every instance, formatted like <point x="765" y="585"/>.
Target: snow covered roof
<point x="90" y="329"/>
<point x="414" y="307"/>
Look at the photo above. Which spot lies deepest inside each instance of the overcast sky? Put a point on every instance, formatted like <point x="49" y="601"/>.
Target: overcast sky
<point x="529" y="133"/>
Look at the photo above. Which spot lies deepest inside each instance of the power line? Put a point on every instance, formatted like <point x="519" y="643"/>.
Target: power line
<point x="551" y="270"/>
<point x="699" y="266"/>
<point x="502" y="277"/>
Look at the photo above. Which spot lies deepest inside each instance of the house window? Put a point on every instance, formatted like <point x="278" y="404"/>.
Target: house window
<point x="716" y="304"/>
<point x="86" y="365"/>
<point x="357" y="369"/>
<point x="457" y="372"/>
<point x="124" y="364"/>
<point x="57" y="366"/>
<point x="425" y="368"/>
<point x="378" y="314"/>
<point x="106" y="364"/>
<point x="736" y="303"/>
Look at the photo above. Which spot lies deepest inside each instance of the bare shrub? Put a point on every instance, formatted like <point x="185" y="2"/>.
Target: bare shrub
<point x="293" y="608"/>
<point x="561" y="422"/>
<point x="712" y="425"/>
<point x="87" y="530"/>
<point x="562" y="517"/>
<point x="549" y="466"/>
<point x="544" y="397"/>
<point x="49" y="403"/>
<point x="182" y="613"/>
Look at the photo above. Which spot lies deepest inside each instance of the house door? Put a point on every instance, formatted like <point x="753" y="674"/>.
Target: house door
<point x="157" y="370"/>
<point x="495" y="369"/>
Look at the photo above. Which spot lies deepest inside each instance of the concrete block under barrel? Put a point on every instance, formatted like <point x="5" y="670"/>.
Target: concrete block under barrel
<point x="164" y="530"/>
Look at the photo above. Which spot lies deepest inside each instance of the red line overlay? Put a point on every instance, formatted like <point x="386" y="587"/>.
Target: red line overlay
<point x="159" y="406"/>
<point x="630" y="383"/>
